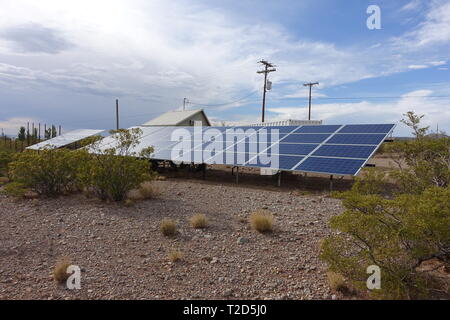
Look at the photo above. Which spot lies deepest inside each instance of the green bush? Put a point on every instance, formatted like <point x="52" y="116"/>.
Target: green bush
<point x="5" y="159"/>
<point x="15" y="189"/>
<point x="399" y="231"/>
<point x="48" y="172"/>
<point x="113" y="172"/>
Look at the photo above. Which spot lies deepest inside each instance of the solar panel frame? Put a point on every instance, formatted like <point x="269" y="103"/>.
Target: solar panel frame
<point x="65" y="139"/>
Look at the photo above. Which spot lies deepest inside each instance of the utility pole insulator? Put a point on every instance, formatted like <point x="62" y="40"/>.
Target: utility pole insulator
<point x="266" y="71"/>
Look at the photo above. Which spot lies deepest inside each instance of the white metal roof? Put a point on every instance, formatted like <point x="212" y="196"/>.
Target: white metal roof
<point x="65" y="139"/>
<point x="173" y="118"/>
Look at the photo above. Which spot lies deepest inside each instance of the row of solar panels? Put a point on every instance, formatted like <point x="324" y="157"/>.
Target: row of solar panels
<point x="65" y="139"/>
<point x="330" y="149"/>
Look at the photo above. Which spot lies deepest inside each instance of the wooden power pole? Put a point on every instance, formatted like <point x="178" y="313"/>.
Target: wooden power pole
<point x="117" y="114"/>
<point x="266" y="70"/>
<point x="310" y="84"/>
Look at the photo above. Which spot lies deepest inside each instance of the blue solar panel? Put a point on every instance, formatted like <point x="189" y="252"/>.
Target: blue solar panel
<point x="282" y="129"/>
<point x="374" y="139"/>
<point x="367" y="128"/>
<point x="331" y="165"/>
<point x="281" y="162"/>
<point x="318" y="129"/>
<point x="292" y="149"/>
<point x="305" y="138"/>
<point x="344" y="151"/>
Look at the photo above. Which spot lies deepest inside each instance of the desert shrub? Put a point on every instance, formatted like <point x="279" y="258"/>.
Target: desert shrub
<point x="168" y="227"/>
<point x="199" y="221"/>
<point x="337" y="282"/>
<point x="422" y="162"/>
<point x="261" y="221"/>
<point x="397" y="232"/>
<point x="15" y="189"/>
<point x="49" y="172"/>
<point x="5" y="159"/>
<point x="60" y="271"/>
<point x="175" y="255"/>
<point x="111" y="173"/>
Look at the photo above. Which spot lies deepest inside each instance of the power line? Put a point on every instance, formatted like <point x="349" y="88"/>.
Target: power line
<point x="368" y="97"/>
<point x="223" y="104"/>
<point x="265" y="71"/>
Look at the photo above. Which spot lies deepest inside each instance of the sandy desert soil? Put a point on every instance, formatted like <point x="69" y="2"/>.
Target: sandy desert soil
<point x="123" y="255"/>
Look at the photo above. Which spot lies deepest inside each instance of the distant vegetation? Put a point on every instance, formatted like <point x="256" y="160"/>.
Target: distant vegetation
<point x="397" y="231"/>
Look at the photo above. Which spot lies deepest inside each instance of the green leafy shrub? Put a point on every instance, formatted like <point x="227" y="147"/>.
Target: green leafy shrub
<point x="15" y="189"/>
<point x="48" y="172"/>
<point x="399" y="231"/>
<point x="422" y="162"/>
<point x="395" y="234"/>
<point x="111" y="173"/>
<point x="5" y="159"/>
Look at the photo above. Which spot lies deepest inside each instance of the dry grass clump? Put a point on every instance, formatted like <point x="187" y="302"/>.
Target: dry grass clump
<point x="175" y="255"/>
<point x="135" y="195"/>
<point x="337" y="282"/>
<point x="129" y="203"/>
<point x="147" y="190"/>
<point x="60" y="271"/>
<point x="261" y="221"/>
<point x="168" y="227"/>
<point x="199" y="221"/>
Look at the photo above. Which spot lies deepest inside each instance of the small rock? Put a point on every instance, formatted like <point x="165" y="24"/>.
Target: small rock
<point x="242" y="240"/>
<point x="228" y="293"/>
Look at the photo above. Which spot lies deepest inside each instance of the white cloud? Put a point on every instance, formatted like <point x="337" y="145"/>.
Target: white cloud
<point x="412" y="5"/>
<point x="436" y="111"/>
<point x="417" y="66"/>
<point x="11" y="126"/>
<point x="159" y="52"/>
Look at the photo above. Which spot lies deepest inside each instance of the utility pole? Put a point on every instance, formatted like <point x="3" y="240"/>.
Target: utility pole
<point x="117" y="114"/>
<point x="310" y="84"/>
<point x="266" y="70"/>
<point x="185" y="102"/>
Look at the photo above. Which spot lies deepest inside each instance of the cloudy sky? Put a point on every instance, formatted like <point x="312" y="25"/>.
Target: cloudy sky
<point x="65" y="62"/>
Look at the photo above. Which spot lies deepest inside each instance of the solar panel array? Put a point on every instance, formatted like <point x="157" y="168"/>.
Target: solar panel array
<point x="65" y="139"/>
<point x="328" y="149"/>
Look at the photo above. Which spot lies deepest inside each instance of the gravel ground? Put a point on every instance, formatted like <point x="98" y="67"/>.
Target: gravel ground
<point x="123" y="255"/>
